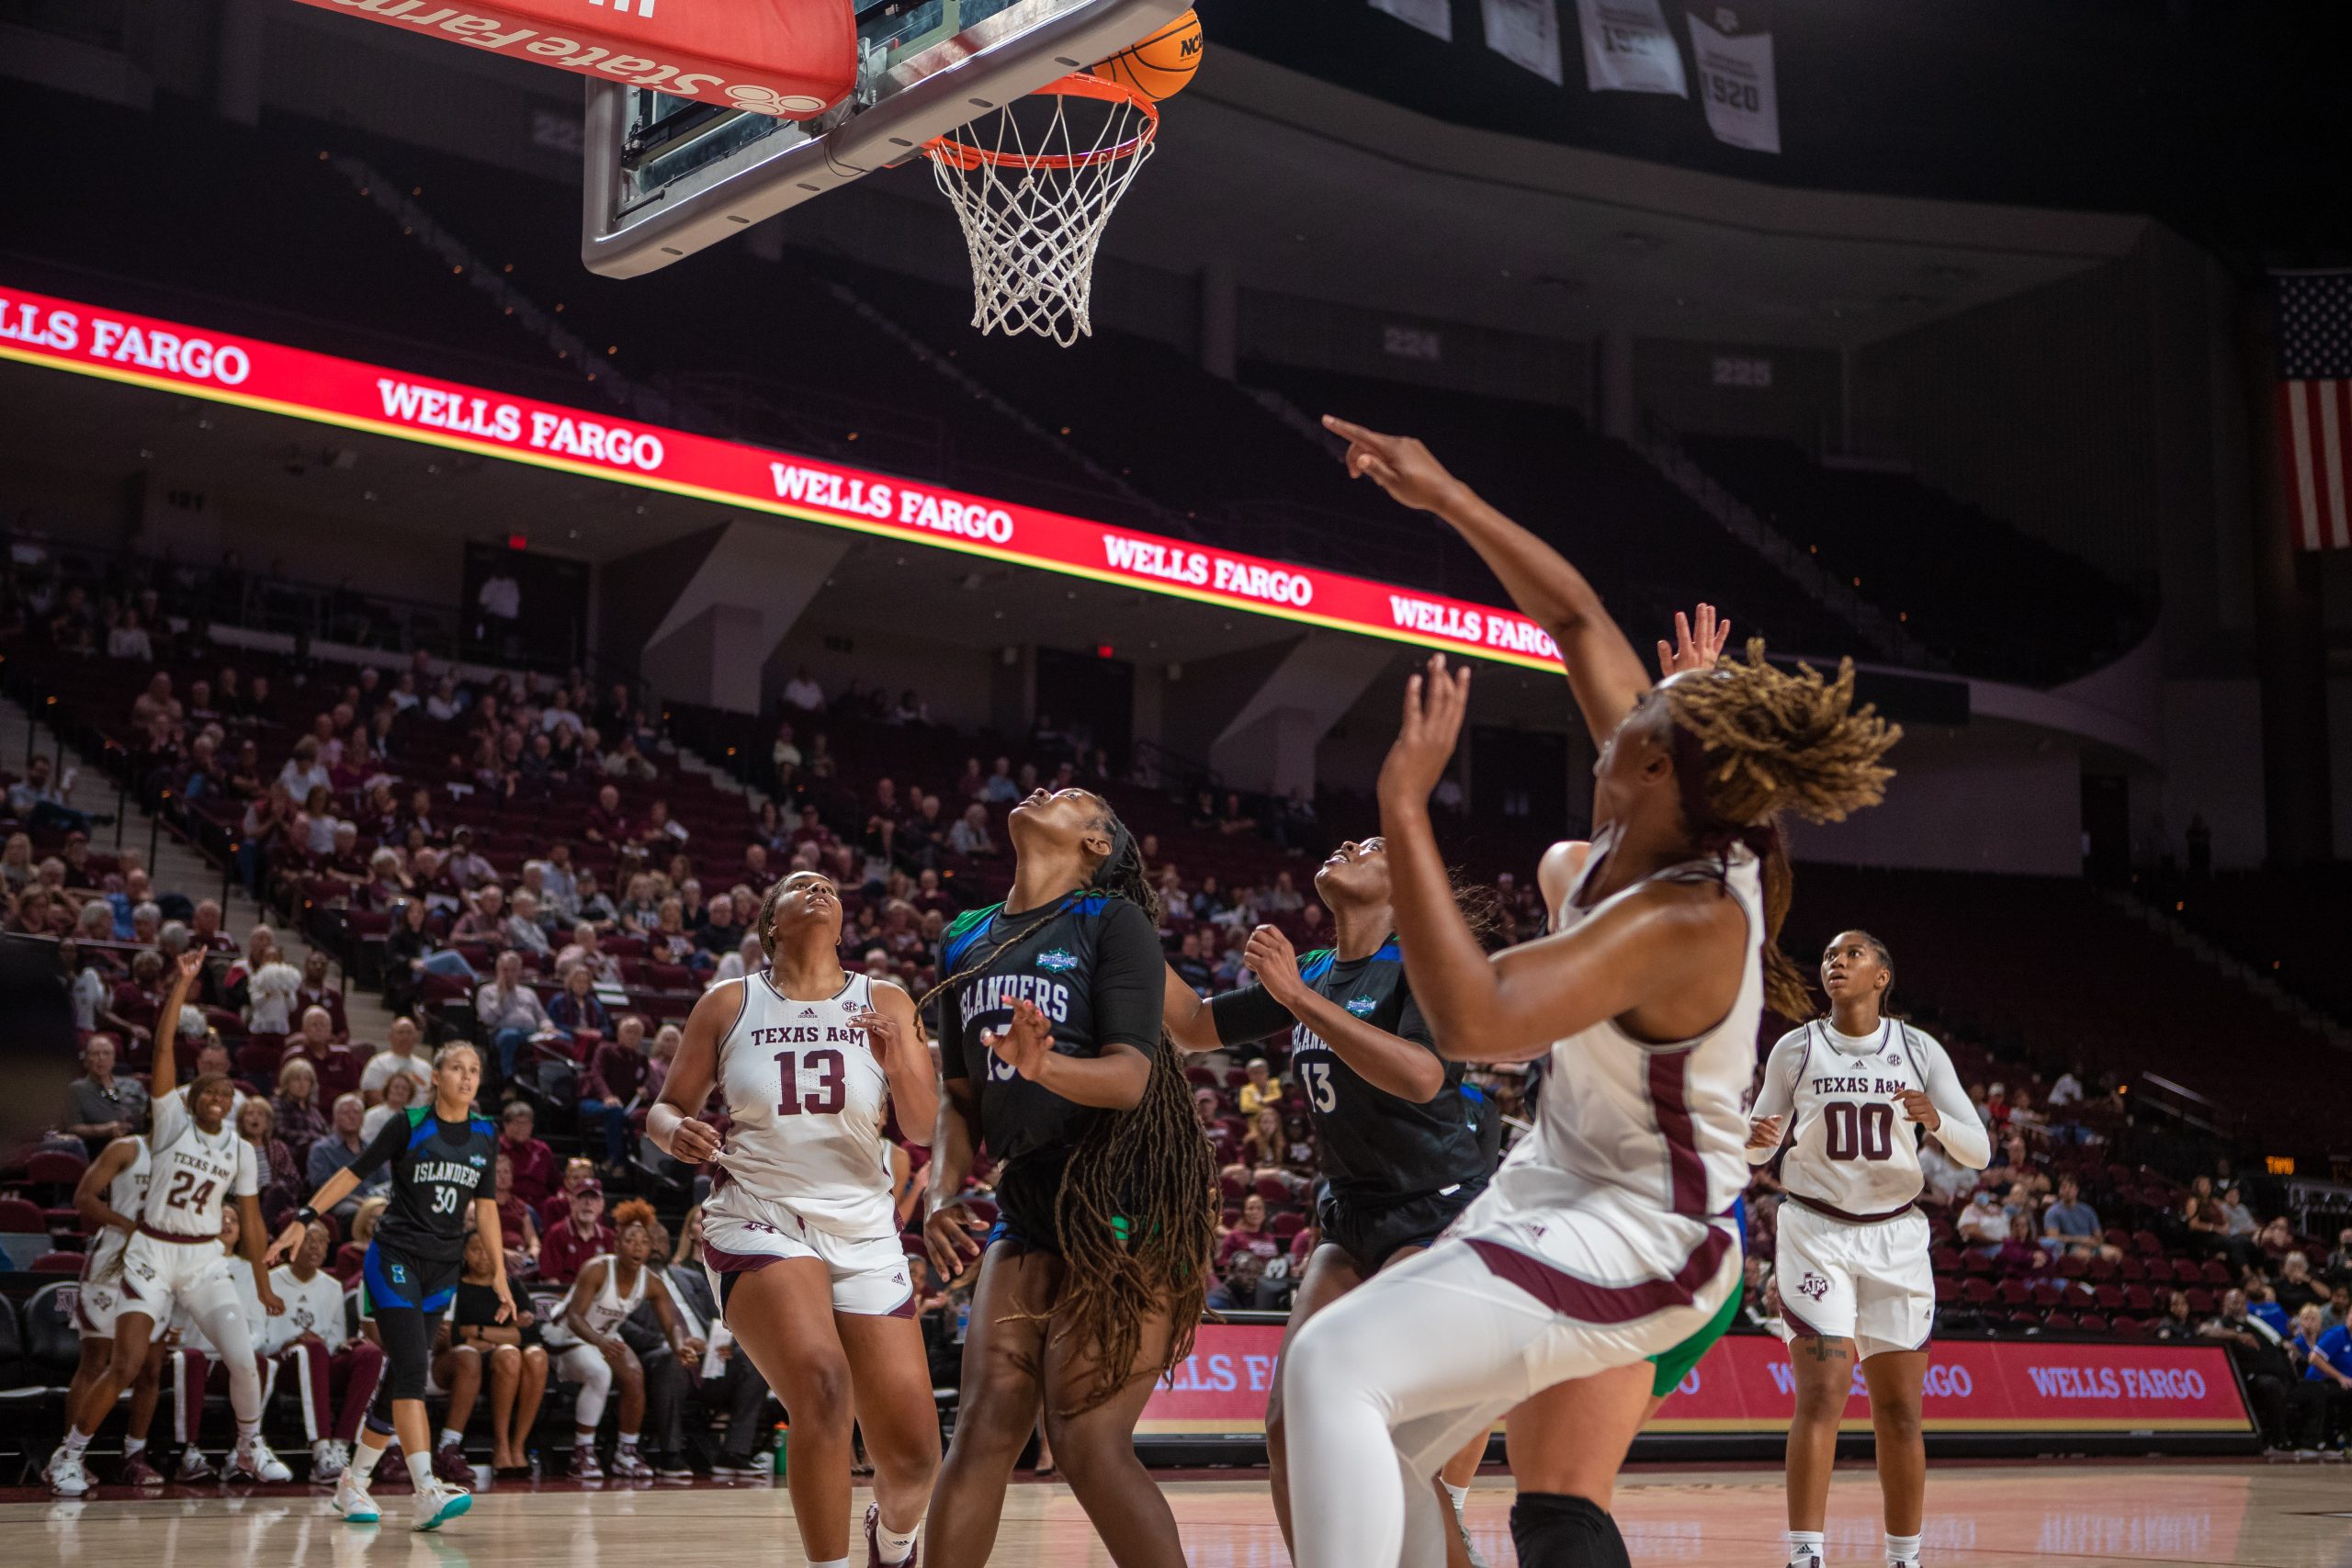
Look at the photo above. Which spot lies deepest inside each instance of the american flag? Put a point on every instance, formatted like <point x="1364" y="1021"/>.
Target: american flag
<point x="2315" y="402"/>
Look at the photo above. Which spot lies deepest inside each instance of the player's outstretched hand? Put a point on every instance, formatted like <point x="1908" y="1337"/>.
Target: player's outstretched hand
<point x="1271" y="957"/>
<point x="1764" y="1133"/>
<point x="283" y="1248"/>
<point x="1026" y="1043"/>
<point x="1919" y="1107"/>
<point x="1698" y="644"/>
<point x="951" y="1236"/>
<point x="694" y="1141"/>
<point x="1398" y="464"/>
<point x="1435" y="703"/>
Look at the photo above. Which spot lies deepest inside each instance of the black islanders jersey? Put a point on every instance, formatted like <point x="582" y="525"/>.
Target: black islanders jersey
<point x="438" y="1170"/>
<point x="1091" y="962"/>
<point x="1373" y="1143"/>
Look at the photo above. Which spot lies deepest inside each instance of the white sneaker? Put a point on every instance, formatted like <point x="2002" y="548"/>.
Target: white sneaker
<point x="65" y="1475"/>
<point x="252" y="1461"/>
<point x="325" y="1463"/>
<point x="437" y="1503"/>
<point x="351" y="1499"/>
<point x="1807" y="1558"/>
<point x="193" y="1466"/>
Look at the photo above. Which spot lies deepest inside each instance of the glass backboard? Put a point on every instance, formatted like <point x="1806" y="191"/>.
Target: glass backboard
<point x="667" y="176"/>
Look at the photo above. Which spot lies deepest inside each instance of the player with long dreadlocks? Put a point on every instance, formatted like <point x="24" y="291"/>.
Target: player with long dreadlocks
<point x="1094" y="1276"/>
<point x="1606" y="1237"/>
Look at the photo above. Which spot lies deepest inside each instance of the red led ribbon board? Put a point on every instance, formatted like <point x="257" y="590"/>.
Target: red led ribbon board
<point x="1743" y="1385"/>
<point x="787" y="58"/>
<point x="65" y="334"/>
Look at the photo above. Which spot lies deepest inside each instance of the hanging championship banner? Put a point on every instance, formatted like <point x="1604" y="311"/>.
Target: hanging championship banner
<point x="1629" y="49"/>
<point x="1433" y="17"/>
<point x="1526" y="32"/>
<point x="1734" y="47"/>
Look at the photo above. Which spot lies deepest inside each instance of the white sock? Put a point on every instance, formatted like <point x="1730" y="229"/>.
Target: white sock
<point x="420" y="1472"/>
<point x="75" y="1442"/>
<point x="831" y="1563"/>
<point x="451" y="1437"/>
<point x="628" y="1440"/>
<point x="585" y="1438"/>
<point x="1814" y="1541"/>
<point x="1901" y="1551"/>
<point x="247" y="1431"/>
<point x="363" y="1456"/>
<point x="134" y="1447"/>
<point x="1460" y="1494"/>
<point x="894" y="1546"/>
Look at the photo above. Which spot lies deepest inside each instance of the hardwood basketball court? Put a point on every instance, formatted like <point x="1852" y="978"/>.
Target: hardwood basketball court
<point x="1982" y="1516"/>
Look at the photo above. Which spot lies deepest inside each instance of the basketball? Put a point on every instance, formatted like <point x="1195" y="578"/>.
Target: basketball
<point x="1161" y="65"/>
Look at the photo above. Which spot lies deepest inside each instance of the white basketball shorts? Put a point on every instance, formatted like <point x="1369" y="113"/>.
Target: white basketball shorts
<point x="741" y="1234"/>
<point x="1869" y="1282"/>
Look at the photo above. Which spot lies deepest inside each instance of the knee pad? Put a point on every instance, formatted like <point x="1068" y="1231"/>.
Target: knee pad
<point x="1554" y="1531"/>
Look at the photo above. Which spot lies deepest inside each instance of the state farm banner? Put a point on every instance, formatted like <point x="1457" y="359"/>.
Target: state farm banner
<point x="1628" y="47"/>
<point x="1745" y="1384"/>
<point x="65" y="334"/>
<point x="774" y="57"/>
<point x="1526" y="32"/>
<point x="1733" y="45"/>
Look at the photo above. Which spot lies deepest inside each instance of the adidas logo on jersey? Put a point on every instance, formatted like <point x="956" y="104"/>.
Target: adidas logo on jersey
<point x="808" y="1012"/>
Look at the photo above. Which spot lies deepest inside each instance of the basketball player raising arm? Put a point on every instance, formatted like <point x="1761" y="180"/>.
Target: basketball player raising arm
<point x="173" y="1262"/>
<point x="1395" y="1132"/>
<point x="1863" y="1088"/>
<point x="1606" y="1238"/>
<point x="801" y="1236"/>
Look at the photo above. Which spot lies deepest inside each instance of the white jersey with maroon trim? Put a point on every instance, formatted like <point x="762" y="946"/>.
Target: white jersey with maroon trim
<point x="1662" y="1125"/>
<point x="192" y="1173"/>
<point x="604" y="1310"/>
<point x="806" y="1102"/>
<point x="126" y="1194"/>
<point x="1853" y="1151"/>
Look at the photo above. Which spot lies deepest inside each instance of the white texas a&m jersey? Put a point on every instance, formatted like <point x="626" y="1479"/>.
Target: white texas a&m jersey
<point x="806" y="1102"/>
<point x="192" y="1172"/>
<point x="1854" y="1152"/>
<point x="126" y="1194"/>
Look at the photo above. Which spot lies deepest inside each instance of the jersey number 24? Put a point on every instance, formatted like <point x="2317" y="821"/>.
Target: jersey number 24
<point x="827" y="1099"/>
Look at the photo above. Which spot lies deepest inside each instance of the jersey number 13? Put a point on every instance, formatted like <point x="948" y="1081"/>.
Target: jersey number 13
<point x="827" y="1099"/>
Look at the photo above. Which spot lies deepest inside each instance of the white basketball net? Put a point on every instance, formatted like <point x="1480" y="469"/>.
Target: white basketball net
<point x="1034" y="198"/>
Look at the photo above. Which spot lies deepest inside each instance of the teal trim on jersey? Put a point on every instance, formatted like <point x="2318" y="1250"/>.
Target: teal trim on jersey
<point x="964" y="930"/>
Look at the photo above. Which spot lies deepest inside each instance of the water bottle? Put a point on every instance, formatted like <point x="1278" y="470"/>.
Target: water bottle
<point x="783" y="1440"/>
<point x="963" y="1318"/>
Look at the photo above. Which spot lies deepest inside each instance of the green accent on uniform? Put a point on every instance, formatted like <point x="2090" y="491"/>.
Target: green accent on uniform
<point x="1120" y="1228"/>
<point x="969" y="918"/>
<point x="1674" y="1365"/>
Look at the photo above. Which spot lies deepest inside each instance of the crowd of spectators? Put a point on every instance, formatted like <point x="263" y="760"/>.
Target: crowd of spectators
<point x="520" y="861"/>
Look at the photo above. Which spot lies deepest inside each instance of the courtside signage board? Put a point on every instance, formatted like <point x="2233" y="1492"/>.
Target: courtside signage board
<point x="142" y="351"/>
<point x="1743" y="1385"/>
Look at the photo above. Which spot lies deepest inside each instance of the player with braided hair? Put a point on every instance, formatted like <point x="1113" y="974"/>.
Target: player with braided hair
<point x="1607" y="1238"/>
<point x="1094" y="1277"/>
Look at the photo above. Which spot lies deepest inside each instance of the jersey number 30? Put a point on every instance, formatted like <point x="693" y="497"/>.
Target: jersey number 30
<point x="827" y="1099"/>
<point x="1859" y="1132"/>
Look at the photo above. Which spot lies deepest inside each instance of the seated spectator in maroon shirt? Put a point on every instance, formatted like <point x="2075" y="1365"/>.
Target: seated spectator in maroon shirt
<point x="485" y="921"/>
<point x="605" y="822"/>
<point x="314" y="992"/>
<point x="929" y="895"/>
<point x="344" y="862"/>
<point x="578" y="1171"/>
<point x="811" y="830"/>
<point x="2022" y="1253"/>
<point x="615" y="1077"/>
<point x="657" y="832"/>
<point x="582" y="1236"/>
<point x="534" y="1162"/>
<point x="204" y="931"/>
<point x="576" y="1010"/>
<point x="136" y="1000"/>
<point x="1252" y="1233"/>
